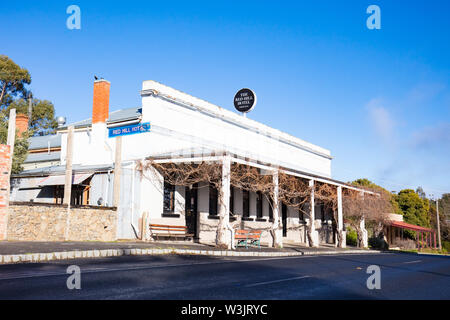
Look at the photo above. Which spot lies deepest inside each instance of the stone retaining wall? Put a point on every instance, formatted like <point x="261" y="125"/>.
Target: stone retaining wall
<point x="45" y="222"/>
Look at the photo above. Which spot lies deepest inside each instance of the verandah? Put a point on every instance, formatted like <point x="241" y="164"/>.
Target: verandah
<point x="278" y="185"/>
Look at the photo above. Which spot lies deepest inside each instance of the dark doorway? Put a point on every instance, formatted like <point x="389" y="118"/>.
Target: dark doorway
<point x="284" y="219"/>
<point x="191" y="209"/>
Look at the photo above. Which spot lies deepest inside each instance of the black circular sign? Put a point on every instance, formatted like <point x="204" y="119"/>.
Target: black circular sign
<point x="244" y="100"/>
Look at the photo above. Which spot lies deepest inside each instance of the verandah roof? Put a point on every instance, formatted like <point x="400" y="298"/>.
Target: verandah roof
<point x="404" y="225"/>
<point x="58" y="180"/>
<point x="207" y="154"/>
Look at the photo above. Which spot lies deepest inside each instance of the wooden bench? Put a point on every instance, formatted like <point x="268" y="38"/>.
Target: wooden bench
<point x="248" y="238"/>
<point x="168" y="231"/>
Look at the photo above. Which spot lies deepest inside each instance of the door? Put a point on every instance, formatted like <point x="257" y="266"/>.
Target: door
<point x="284" y="219"/>
<point x="191" y="209"/>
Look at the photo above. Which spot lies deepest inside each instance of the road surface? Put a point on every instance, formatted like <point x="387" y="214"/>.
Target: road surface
<point x="403" y="276"/>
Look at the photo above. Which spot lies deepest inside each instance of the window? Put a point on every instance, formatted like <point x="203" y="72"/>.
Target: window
<point x="270" y="209"/>
<point x="259" y="204"/>
<point x="79" y="195"/>
<point x="169" y="197"/>
<point x="301" y="214"/>
<point x="59" y="194"/>
<point x="231" y="200"/>
<point x="322" y="212"/>
<point x="213" y="199"/>
<point x="246" y="203"/>
<point x="301" y="211"/>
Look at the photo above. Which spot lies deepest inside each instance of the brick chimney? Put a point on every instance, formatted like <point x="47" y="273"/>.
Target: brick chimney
<point x="21" y="123"/>
<point x="100" y="109"/>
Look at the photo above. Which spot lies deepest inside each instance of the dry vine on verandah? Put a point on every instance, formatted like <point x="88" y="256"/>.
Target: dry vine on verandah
<point x="293" y="191"/>
<point x="373" y="208"/>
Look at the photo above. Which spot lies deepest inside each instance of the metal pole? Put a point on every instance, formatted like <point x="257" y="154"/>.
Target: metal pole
<point x="438" y="224"/>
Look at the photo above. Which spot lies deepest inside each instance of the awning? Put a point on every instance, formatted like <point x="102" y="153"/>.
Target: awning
<point x="60" y="180"/>
<point x="405" y="225"/>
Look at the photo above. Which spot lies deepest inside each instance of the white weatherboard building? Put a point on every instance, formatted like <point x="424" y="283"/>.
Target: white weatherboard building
<point x="173" y="126"/>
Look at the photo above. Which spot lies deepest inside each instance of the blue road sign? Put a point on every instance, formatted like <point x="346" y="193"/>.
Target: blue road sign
<point x="131" y="129"/>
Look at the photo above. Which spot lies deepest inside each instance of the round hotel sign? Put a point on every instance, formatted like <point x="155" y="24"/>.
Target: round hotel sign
<point x="244" y="100"/>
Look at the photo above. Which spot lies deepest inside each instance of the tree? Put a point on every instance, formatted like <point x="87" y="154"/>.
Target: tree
<point x="444" y="206"/>
<point x="13" y="80"/>
<point x="415" y="209"/>
<point x="421" y="193"/>
<point x="364" y="182"/>
<point x="444" y="216"/>
<point x="367" y="184"/>
<point x="374" y="208"/>
<point x="43" y="120"/>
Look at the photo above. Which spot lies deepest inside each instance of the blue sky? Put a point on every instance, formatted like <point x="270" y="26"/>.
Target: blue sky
<point x="378" y="99"/>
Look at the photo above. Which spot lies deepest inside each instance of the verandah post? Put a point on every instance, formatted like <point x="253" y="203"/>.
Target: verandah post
<point x="314" y="235"/>
<point x="224" y="231"/>
<point x="68" y="179"/>
<point x="277" y="238"/>
<point x="417" y="240"/>
<point x="434" y="233"/>
<point x="343" y="242"/>
<point x="69" y="159"/>
<point x="421" y="240"/>
<point x="362" y="226"/>
<point x="117" y="172"/>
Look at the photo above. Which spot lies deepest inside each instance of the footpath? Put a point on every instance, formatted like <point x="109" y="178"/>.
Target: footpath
<point x="33" y="252"/>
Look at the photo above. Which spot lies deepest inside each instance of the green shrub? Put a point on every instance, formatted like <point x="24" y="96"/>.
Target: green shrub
<point x="352" y="237"/>
<point x="378" y="243"/>
<point x="446" y="246"/>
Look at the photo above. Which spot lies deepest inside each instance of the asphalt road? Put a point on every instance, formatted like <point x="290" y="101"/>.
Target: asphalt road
<point x="403" y="276"/>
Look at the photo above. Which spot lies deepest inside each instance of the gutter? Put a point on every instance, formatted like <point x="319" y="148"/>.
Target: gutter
<point x="109" y="124"/>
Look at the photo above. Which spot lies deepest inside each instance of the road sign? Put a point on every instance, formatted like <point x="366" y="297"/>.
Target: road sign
<point x="128" y="130"/>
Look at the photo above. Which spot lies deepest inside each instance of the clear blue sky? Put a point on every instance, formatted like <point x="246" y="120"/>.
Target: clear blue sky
<point x="378" y="99"/>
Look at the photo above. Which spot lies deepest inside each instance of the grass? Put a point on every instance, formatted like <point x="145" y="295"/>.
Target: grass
<point x="425" y="250"/>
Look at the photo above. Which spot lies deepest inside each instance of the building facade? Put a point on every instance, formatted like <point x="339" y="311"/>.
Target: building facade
<point x="172" y="126"/>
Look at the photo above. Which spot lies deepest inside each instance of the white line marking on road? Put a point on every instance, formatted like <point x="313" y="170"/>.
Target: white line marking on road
<point x="275" y="281"/>
<point x="415" y="261"/>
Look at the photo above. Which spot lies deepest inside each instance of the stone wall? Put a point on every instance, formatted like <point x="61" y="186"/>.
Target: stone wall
<point x="46" y="222"/>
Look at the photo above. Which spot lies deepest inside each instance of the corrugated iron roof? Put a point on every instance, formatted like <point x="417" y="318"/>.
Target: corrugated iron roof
<point x="404" y="225"/>
<point x="114" y="116"/>
<point x="42" y="157"/>
<point x="43" y="142"/>
<point x="54" y="170"/>
<point x="60" y="180"/>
